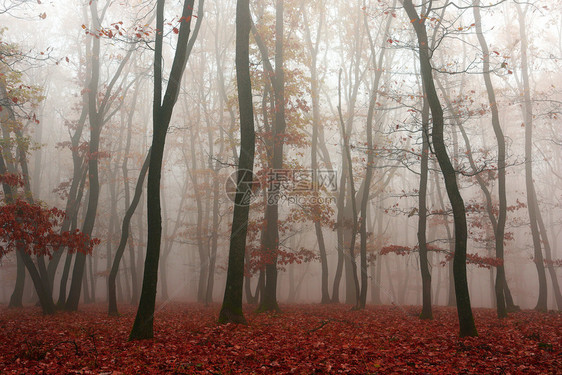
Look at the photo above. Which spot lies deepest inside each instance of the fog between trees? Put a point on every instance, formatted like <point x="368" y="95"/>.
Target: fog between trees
<point x="341" y="124"/>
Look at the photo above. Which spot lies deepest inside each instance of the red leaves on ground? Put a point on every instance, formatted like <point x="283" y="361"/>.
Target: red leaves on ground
<point x="302" y="340"/>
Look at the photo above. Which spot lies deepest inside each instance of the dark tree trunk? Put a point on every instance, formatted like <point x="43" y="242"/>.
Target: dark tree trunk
<point x="464" y="310"/>
<point x="38" y="274"/>
<point x="125" y="228"/>
<point x="162" y="113"/>
<point x="426" y="312"/>
<point x="231" y="310"/>
<point x="271" y="240"/>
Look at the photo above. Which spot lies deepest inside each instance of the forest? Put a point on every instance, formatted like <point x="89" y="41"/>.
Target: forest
<point x="280" y="186"/>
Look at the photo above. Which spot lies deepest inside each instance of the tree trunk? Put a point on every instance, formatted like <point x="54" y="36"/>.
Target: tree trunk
<point x="464" y="310"/>
<point x="501" y="282"/>
<point x="269" y="297"/>
<point x="231" y="310"/>
<point x="340" y="228"/>
<point x="162" y="113"/>
<point x="347" y="155"/>
<point x="548" y="258"/>
<point x="17" y="295"/>
<point x="531" y="194"/>
<point x="426" y="312"/>
<point x="125" y="228"/>
<point x="315" y="94"/>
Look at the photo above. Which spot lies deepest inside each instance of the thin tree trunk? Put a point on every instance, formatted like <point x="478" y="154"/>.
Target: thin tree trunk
<point x="426" y="312"/>
<point x="501" y="282"/>
<point x="340" y="227"/>
<point x="346" y="148"/>
<point x="531" y="194"/>
<point x="315" y="94"/>
<point x="548" y="258"/>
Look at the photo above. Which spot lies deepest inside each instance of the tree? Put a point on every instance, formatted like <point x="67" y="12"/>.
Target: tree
<point x="427" y="312"/>
<point x="27" y="227"/>
<point x="98" y="115"/>
<point x="371" y="163"/>
<point x="162" y="113"/>
<point x="125" y="228"/>
<point x="271" y="233"/>
<point x="231" y="310"/>
<point x="315" y="94"/>
<point x="532" y="204"/>
<point x="464" y="310"/>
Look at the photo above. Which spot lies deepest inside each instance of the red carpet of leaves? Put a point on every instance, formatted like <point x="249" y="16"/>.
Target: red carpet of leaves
<point x="305" y="339"/>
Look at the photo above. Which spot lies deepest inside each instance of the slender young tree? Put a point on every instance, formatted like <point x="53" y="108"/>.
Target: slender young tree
<point x="162" y="114"/>
<point x="464" y="310"/>
<point x="371" y="162"/>
<point x="125" y="229"/>
<point x="532" y="205"/>
<point x="352" y="194"/>
<point x="426" y="312"/>
<point x="499" y="230"/>
<point x="315" y="96"/>
<point x="231" y="310"/>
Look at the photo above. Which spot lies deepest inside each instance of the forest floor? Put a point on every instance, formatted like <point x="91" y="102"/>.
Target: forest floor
<point x="303" y="339"/>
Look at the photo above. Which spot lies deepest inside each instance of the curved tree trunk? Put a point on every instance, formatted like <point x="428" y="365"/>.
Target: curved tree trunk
<point x="125" y="228"/>
<point x="501" y="287"/>
<point x="464" y="310"/>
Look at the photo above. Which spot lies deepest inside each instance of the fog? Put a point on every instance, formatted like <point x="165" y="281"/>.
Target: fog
<point x="345" y="65"/>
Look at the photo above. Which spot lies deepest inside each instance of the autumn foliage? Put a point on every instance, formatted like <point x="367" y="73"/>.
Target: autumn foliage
<point x="35" y="229"/>
<point x="305" y="339"/>
<point x="471" y="258"/>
